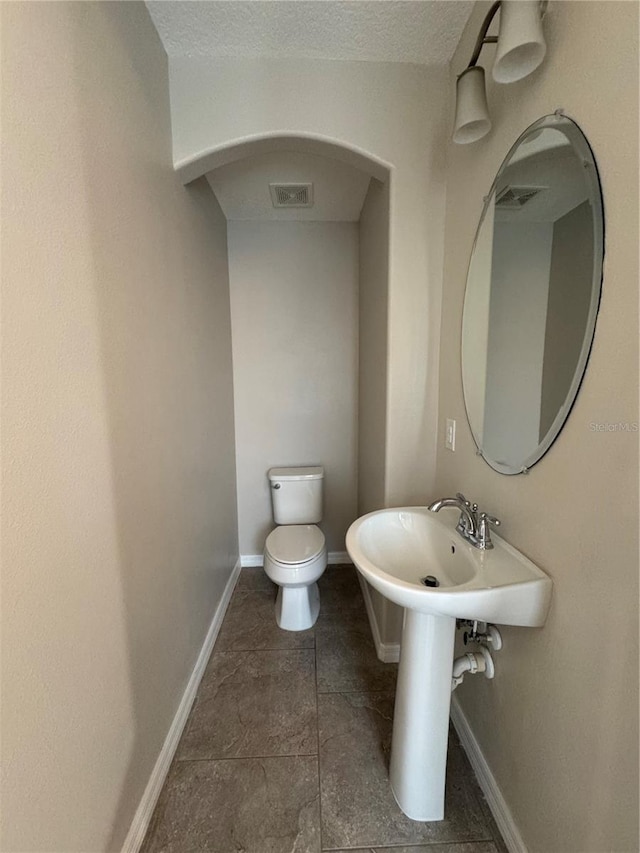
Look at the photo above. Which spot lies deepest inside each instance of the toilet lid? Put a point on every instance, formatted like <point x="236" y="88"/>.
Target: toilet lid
<point x="295" y="543"/>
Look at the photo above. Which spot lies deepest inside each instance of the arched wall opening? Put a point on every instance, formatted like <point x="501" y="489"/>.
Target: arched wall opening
<point x="309" y="314"/>
<point x="196" y="165"/>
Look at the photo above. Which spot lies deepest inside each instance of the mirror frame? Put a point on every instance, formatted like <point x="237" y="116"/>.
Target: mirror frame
<point x="580" y="144"/>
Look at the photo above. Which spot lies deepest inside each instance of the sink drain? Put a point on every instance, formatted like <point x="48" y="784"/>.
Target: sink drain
<point x="430" y="580"/>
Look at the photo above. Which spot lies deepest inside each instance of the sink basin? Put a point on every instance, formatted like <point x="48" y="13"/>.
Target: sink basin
<point x="395" y="548"/>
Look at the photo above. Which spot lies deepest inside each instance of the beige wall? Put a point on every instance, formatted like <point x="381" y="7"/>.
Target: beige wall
<point x="119" y="516"/>
<point x="559" y="724"/>
<point x="372" y="347"/>
<point x="373" y="371"/>
<point x="294" y="308"/>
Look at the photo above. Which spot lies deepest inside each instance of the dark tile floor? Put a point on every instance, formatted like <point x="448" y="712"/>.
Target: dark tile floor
<point x="286" y="749"/>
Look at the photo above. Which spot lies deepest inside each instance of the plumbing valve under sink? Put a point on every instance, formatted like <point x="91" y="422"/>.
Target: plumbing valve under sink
<point x="481" y="633"/>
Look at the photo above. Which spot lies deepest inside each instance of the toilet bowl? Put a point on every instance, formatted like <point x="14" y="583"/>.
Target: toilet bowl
<point x="295" y="557"/>
<point x="295" y="554"/>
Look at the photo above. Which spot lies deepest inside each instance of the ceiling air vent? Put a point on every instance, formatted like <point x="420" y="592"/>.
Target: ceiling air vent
<point x="291" y="195"/>
<point x="514" y="198"/>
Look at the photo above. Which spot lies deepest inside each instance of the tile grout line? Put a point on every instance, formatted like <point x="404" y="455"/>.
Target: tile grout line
<point x="270" y="649"/>
<point x="248" y="757"/>
<point x="257" y="651"/>
<point x="355" y="693"/>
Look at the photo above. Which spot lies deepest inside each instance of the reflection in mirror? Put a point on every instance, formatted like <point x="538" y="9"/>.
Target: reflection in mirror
<point x="532" y="294"/>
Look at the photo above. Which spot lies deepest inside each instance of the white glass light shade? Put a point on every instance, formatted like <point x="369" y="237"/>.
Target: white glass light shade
<point x="521" y="45"/>
<point x="472" y="114"/>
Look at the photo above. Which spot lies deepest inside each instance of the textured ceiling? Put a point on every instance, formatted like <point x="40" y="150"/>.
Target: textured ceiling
<point x="420" y="31"/>
<point x="242" y="188"/>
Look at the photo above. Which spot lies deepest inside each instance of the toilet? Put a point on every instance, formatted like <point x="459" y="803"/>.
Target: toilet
<point x="295" y="554"/>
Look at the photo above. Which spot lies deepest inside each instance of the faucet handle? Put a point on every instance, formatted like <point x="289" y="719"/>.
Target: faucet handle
<point x="462" y="498"/>
<point x="484" y="533"/>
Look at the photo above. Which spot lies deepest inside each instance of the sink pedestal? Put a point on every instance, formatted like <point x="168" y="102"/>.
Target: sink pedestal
<point x="393" y="549"/>
<point x="421" y="715"/>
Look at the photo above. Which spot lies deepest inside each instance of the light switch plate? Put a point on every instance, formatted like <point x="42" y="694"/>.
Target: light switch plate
<point x="450" y="434"/>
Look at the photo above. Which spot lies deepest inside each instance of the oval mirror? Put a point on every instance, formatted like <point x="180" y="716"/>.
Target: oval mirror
<point x="532" y="295"/>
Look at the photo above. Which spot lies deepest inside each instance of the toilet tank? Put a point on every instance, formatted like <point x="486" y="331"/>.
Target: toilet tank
<point x="296" y="495"/>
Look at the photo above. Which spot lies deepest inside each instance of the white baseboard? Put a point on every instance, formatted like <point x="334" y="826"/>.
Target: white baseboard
<point x="495" y="800"/>
<point x="147" y="804"/>
<point x="333" y="558"/>
<point x="387" y="652"/>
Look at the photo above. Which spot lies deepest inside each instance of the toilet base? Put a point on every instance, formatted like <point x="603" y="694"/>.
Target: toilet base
<point x="297" y="607"/>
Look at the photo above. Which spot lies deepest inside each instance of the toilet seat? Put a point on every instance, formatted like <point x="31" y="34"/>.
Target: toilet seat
<point x="293" y="544"/>
<point x="295" y="556"/>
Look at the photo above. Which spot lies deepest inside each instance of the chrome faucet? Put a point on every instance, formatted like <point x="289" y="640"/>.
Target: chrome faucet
<point x="471" y="526"/>
<point x="464" y="528"/>
<point x="468" y="521"/>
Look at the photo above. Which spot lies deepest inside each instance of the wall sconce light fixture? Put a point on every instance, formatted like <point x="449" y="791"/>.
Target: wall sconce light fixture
<point x="520" y="50"/>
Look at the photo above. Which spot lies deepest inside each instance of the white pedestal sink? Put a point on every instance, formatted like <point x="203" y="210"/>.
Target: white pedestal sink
<point x="394" y="549"/>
